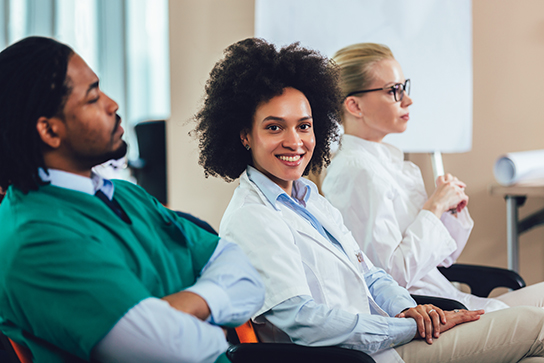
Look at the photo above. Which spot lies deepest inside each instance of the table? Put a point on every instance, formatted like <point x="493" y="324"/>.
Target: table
<point x="515" y="196"/>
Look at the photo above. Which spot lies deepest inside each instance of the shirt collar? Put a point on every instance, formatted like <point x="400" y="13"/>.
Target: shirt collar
<point x="272" y="191"/>
<point x="381" y="150"/>
<point x="78" y="183"/>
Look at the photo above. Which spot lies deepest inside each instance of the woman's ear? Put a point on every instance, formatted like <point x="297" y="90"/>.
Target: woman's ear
<point x="353" y="106"/>
<point x="244" y="138"/>
<point x="50" y="130"/>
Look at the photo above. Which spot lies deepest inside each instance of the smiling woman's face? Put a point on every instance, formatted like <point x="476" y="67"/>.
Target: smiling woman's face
<point x="282" y="138"/>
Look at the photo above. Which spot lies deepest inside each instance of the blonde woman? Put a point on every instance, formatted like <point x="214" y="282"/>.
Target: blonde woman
<point x="382" y="197"/>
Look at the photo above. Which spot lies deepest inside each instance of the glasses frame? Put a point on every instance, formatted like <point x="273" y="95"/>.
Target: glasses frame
<point x="405" y="89"/>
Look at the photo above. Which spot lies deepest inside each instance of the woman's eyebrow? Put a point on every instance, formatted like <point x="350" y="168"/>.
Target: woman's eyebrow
<point x="281" y="119"/>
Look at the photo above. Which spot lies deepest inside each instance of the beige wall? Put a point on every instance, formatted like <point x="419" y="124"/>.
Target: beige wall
<point x="199" y="31"/>
<point x="508" y="92"/>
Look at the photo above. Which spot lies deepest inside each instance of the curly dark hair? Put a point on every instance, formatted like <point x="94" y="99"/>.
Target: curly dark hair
<point x="33" y="84"/>
<point x="251" y="72"/>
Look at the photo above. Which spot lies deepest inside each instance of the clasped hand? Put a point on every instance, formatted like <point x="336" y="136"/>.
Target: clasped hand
<point x="448" y="195"/>
<point x="431" y="320"/>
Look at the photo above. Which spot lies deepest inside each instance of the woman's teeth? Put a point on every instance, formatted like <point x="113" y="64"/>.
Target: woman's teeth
<point x="289" y="158"/>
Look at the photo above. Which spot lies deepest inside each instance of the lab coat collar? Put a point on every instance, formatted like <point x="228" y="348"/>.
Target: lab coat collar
<point x="272" y="191"/>
<point x="381" y="150"/>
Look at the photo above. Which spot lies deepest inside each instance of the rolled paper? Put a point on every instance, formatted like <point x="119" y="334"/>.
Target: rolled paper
<point x="519" y="167"/>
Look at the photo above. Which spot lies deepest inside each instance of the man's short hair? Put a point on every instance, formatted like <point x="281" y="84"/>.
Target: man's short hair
<point x="33" y="84"/>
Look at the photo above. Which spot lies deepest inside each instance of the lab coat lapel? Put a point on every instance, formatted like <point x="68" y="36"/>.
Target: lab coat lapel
<point x="305" y="228"/>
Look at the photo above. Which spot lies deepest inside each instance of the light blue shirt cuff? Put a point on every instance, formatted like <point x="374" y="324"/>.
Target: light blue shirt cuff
<point x="402" y="331"/>
<point x="309" y="323"/>
<point x="217" y="299"/>
<point x="230" y="285"/>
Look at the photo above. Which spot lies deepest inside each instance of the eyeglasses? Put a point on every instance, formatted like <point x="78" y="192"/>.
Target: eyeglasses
<point x="398" y="90"/>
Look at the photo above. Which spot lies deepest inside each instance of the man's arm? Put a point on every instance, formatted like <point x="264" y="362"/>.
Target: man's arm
<point x="228" y="292"/>
<point x="152" y="331"/>
<point x="229" y="285"/>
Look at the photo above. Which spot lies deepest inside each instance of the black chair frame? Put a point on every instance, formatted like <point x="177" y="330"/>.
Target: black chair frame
<point x="483" y="279"/>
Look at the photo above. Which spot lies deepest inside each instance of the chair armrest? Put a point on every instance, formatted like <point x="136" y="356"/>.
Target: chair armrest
<point x="441" y="302"/>
<point x="199" y="222"/>
<point x="8" y="349"/>
<point x="483" y="279"/>
<point x="292" y="353"/>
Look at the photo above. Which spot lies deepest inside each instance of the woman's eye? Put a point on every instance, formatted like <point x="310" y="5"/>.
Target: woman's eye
<point x="273" y="128"/>
<point x="305" y="126"/>
<point x="94" y="100"/>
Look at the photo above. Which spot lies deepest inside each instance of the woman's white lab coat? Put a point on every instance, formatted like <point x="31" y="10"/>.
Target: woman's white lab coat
<point x="381" y="197"/>
<point x="294" y="259"/>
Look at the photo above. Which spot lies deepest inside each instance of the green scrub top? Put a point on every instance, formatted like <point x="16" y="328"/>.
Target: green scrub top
<point x="70" y="268"/>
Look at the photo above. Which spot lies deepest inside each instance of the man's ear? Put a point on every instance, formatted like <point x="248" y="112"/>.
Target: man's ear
<point x="50" y="130"/>
<point x="353" y="106"/>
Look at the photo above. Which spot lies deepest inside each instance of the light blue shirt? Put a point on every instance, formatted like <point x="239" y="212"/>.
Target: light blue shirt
<point x="153" y="331"/>
<point x="309" y="323"/>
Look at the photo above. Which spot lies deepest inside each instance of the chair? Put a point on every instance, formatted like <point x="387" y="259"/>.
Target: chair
<point x="150" y="168"/>
<point x="14" y="352"/>
<point x="483" y="279"/>
<point x="442" y="302"/>
<point x="250" y="350"/>
<point x="199" y="222"/>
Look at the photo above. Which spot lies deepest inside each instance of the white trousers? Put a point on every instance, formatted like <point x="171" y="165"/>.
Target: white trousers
<point x="528" y="296"/>
<point x="510" y="335"/>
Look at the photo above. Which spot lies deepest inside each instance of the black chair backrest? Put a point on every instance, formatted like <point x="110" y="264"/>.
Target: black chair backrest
<point x="7" y="354"/>
<point x="151" y="171"/>
<point x="199" y="222"/>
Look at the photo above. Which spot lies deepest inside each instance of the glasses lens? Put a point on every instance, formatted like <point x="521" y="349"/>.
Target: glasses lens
<point x="399" y="92"/>
<point x="400" y="89"/>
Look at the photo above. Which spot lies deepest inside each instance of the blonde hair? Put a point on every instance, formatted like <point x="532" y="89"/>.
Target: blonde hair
<point x="355" y="63"/>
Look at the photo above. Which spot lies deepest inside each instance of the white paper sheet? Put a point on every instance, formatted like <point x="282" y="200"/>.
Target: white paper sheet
<point x="519" y="167"/>
<point x="431" y="39"/>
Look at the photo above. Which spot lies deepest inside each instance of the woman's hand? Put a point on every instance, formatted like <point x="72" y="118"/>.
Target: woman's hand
<point x="449" y="194"/>
<point x="431" y="320"/>
<point x="457" y="317"/>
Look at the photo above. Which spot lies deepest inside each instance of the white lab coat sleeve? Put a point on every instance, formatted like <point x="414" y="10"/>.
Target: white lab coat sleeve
<point x="270" y="246"/>
<point x="459" y="228"/>
<point x="367" y="204"/>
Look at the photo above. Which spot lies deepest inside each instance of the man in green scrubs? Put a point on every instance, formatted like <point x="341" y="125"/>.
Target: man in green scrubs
<point x="92" y="268"/>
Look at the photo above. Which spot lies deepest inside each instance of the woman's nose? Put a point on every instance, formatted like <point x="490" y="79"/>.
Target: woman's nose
<point x="406" y="100"/>
<point x="292" y="140"/>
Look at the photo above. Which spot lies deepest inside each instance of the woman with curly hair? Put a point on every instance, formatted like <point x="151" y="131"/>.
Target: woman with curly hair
<point x="268" y="118"/>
